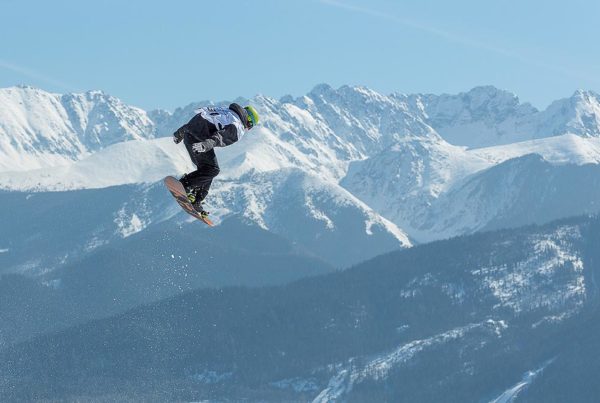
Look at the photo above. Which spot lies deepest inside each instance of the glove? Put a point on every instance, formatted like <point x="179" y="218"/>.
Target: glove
<point x="200" y="147"/>
<point x="177" y="137"/>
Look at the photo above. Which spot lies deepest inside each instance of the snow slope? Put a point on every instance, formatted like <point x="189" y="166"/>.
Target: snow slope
<point x="130" y="162"/>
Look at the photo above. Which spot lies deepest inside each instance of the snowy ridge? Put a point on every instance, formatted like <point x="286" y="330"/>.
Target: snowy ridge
<point x="481" y="117"/>
<point x="579" y="114"/>
<point x="487" y="116"/>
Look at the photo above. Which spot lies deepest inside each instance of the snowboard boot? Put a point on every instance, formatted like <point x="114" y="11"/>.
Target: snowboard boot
<point x="200" y="208"/>
<point x="195" y="196"/>
<point x="190" y="191"/>
<point x="204" y="214"/>
<point x="191" y="195"/>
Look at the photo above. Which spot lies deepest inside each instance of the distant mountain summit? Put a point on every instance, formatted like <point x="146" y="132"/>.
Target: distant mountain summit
<point x="39" y="129"/>
<point x="579" y="114"/>
<point x="483" y="116"/>
<point x="487" y="116"/>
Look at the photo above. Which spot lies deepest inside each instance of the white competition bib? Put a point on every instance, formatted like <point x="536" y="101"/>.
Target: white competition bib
<point x="221" y="117"/>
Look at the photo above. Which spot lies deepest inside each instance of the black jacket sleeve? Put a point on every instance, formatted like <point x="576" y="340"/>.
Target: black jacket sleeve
<point x="180" y="133"/>
<point x="227" y="136"/>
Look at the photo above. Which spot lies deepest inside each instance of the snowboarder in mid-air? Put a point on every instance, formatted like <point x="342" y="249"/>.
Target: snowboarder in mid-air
<point x="211" y="127"/>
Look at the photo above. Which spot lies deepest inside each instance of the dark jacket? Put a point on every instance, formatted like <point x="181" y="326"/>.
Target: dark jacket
<point x="216" y="127"/>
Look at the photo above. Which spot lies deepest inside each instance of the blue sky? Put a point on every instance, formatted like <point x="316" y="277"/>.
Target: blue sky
<point x="168" y="53"/>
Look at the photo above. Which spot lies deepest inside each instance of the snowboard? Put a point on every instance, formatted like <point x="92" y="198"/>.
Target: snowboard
<point x="178" y="192"/>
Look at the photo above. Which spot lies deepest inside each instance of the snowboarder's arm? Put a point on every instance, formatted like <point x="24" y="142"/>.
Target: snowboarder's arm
<point x="227" y="136"/>
<point x="180" y="133"/>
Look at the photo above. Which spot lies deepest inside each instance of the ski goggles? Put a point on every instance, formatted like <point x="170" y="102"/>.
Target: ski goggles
<point x="250" y="122"/>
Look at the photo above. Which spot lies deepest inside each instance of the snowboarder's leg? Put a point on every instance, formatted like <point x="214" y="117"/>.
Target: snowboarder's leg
<point x="198" y="182"/>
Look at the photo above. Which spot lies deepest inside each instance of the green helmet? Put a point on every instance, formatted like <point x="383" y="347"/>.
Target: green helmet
<point x="252" y="116"/>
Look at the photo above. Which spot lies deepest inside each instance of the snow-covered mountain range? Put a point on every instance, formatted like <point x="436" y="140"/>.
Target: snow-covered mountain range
<point x="331" y="170"/>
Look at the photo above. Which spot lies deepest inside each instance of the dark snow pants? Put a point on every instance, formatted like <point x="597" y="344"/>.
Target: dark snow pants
<point x="207" y="168"/>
